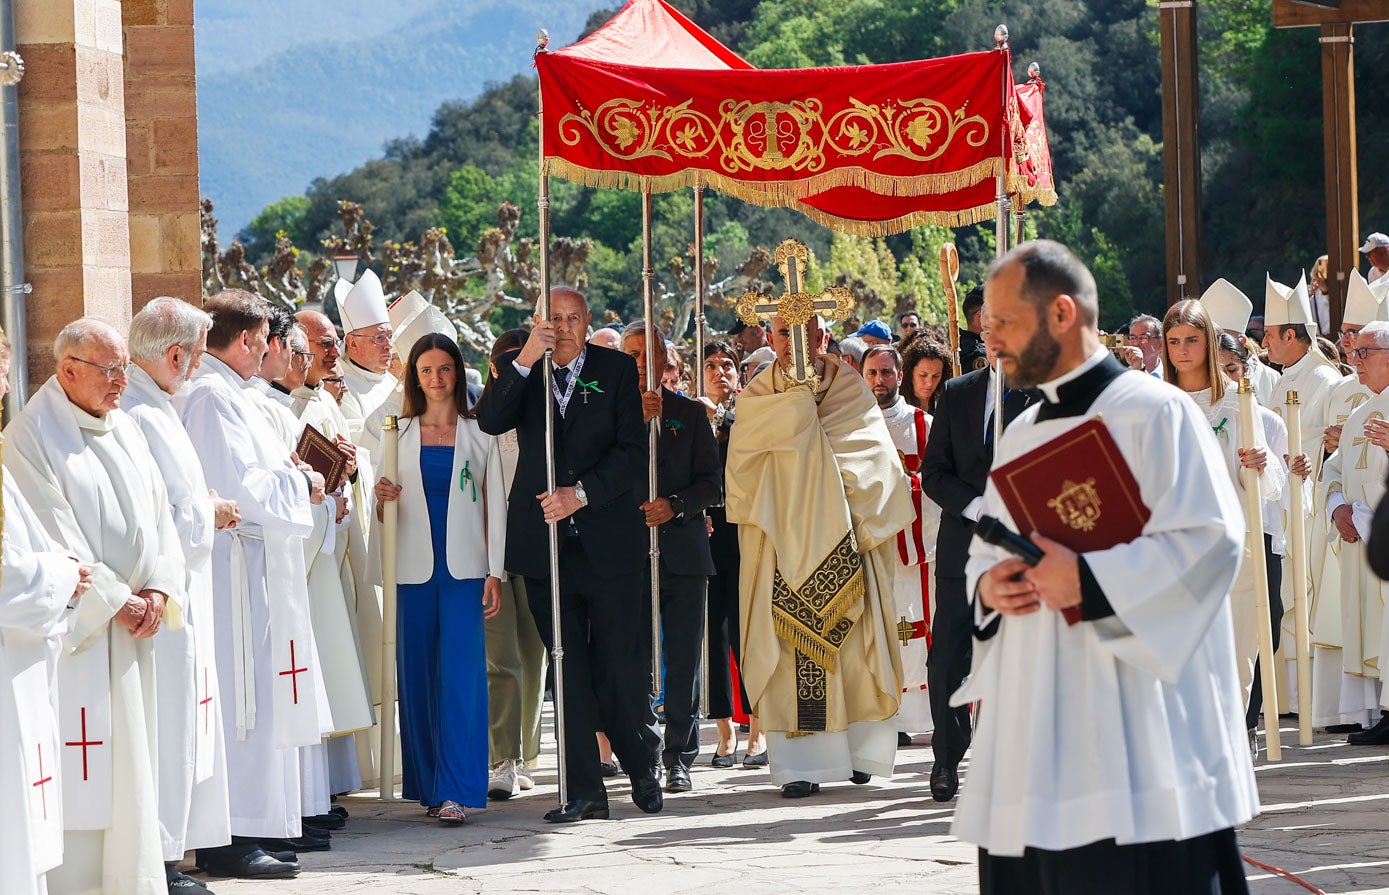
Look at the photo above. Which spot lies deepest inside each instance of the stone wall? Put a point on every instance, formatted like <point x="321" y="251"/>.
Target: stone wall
<point x="108" y="160"/>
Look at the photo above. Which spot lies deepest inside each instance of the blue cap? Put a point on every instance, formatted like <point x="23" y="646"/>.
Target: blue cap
<point x="877" y="329"/>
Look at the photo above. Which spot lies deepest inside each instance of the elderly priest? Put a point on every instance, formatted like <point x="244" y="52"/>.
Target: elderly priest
<point x="1111" y="752"/>
<point x="39" y="589"/>
<point x="814" y="481"/>
<point x="86" y="470"/>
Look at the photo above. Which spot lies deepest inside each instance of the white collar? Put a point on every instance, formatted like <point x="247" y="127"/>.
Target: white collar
<point x="218" y="367"/>
<point x="143" y="383"/>
<point x="1049" y="388"/>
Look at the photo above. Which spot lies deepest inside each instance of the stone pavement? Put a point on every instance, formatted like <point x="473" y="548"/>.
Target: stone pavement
<point x="1324" y="819"/>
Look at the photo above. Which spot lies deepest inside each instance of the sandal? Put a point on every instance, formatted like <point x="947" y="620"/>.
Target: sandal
<point x="450" y="814"/>
<point x="433" y="812"/>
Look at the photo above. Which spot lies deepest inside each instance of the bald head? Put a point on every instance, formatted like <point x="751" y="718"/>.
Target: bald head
<point x="92" y="361"/>
<point x="323" y="342"/>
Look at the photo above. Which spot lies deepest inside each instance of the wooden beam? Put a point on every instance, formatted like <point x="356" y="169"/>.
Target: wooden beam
<point x="1338" y="136"/>
<point x="1181" y="148"/>
<point x="1292" y="14"/>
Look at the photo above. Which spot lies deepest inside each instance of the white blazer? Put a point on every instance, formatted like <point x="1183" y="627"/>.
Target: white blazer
<point x="476" y="535"/>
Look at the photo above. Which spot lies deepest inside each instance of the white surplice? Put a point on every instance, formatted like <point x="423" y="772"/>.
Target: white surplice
<point x="1129" y="727"/>
<point x="1354" y="476"/>
<point x="916" y="552"/>
<point x="268" y="682"/>
<point x="193" y="808"/>
<point x="35" y="586"/>
<point x="95" y="488"/>
<point x="366" y="391"/>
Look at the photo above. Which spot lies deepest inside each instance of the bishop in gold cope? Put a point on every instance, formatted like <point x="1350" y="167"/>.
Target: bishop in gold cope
<point x="814" y="481"/>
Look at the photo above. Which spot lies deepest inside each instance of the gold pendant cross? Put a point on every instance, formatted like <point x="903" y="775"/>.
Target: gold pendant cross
<point x="905" y="631"/>
<point x="796" y="307"/>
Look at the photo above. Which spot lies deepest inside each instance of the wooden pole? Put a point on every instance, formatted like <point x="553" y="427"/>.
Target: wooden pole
<point x="1297" y="550"/>
<point x="390" y="514"/>
<point x="1338" y="140"/>
<point x="1181" y="155"/>
<point x="1254" y="519"/>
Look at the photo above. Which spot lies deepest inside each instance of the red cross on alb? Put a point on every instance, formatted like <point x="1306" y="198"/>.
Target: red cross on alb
<point x="43" y="781"/>
<point x="84" y="743"/>
<point x="294" y="672"/>
<point x="205" y="701"/>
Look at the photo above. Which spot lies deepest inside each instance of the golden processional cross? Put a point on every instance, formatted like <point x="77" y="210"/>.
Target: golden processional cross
<point x="796" y="307"/>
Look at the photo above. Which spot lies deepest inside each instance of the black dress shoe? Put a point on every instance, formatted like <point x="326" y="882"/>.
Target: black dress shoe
<point x="327" y="821"/>
<point x="577" y="810"/>
<point x="182" y="883"/>
<point x="302" y="844"/>
<point x="678" y="780"/>
<point x="945" y="782"/>
<point x="609" y="770"/>
<point x="646" y="793"/>
<point x="1344" y="728"/>
<point x="339" y="811"/>
<point x="859" y="778"/>
<point x="903" y="739"/>
<point x="799" y="789"/>
<point x="1375" y="736"/>
<point x="254" y="865"/>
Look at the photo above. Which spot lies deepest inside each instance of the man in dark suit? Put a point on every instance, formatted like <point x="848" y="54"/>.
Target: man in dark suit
<point x="689" y="476"/>
<point x="971" y="342"/>
<point x="959" y="452"/>
<point x="600" y="460"/>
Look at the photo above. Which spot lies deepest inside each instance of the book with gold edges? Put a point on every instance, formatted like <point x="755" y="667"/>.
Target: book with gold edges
<point x="319" y="451"/>
<point x="1076" y="489"/>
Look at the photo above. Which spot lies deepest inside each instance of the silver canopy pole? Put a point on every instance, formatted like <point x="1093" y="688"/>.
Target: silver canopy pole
<point x="653" y="429"/>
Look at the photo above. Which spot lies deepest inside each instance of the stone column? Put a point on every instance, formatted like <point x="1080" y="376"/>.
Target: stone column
<point x="161" y="118"/>
<point x="72" y="168"/>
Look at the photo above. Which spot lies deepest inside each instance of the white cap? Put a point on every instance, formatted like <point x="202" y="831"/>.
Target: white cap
<point x="1366" y="302"/>
<point x="364" y="305"/>
<point x="340" y="290"/>
<point x="1287" y="306"/>
<point x="1228" y="307"/>
<point x="1374" y="241"/>
<point x="412" y="316"/>
<point x="760" y="356"/>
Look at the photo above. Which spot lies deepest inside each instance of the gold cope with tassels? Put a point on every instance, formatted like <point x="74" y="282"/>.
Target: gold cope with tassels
<point x="814" y="483"/>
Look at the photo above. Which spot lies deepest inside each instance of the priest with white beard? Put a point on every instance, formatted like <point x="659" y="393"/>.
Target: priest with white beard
<point x="269" y="685"/>
<point x="366" y="372"/>
<point x="39" y="589"/>
<point x="167" y="341"/>
<point x="1110" y="754"/>
<point x="86" y="470"/>
<point x="916" y="544"/>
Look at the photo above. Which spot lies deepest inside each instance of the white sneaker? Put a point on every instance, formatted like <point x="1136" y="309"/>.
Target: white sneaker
<point x="501" y="784"/>
<point x="523" y="775"/>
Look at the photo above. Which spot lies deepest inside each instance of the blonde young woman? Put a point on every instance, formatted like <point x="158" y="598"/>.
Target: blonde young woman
<point x="1191" y="361"/>
<point x="452" y="539"/>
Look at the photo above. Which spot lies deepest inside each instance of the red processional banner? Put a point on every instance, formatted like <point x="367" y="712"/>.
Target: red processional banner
<point x="650" y="102"/>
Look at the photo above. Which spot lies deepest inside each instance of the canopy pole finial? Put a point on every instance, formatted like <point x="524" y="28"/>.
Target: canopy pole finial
<point x="1001" y="37"/>
<point x="1034" y="73"/>
<point x="542" y="40"/>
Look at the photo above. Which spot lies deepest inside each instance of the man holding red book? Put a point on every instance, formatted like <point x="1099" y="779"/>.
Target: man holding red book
<point x="1111" y="753"/>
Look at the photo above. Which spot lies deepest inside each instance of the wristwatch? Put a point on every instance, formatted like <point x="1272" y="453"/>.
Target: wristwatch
<point x="677" y="505"/>
<point x="580" y="493"/>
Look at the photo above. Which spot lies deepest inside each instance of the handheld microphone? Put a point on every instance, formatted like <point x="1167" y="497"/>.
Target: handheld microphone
<point x="992" y="531"/>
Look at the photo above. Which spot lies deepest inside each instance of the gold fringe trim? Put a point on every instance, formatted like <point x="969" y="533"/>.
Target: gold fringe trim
<point x="815" y="647"/>
<point x="776" y="193"/>
<point x="961" y="218"/>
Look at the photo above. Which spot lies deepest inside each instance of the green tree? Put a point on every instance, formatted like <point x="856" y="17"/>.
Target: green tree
<point x="287" y="216"/>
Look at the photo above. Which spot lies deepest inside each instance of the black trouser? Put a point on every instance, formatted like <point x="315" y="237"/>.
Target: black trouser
<point x="723" y="618"/>
<point x="947" y="666"/>
<point x="682" y="639"/>
<point x="604" y="677"/>
<point x="1274" y="563"/>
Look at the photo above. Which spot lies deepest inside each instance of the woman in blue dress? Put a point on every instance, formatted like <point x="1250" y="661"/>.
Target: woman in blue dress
<point x="452" y="535"/>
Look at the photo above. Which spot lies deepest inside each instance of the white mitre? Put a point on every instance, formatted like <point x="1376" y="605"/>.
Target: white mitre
<point x="1366" y="302"/>
<point x="412" y="317"/>
<point x="1228" y="307"/>
<point x="1287" y="305"/>
<point x="364" y="305"/>
<point x="340" y="290"/>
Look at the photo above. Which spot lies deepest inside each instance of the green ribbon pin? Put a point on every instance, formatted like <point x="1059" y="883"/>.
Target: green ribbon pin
<point x="1219" y="428"/>
<point x="588" y="386"/>
<point x="466" y="480"/>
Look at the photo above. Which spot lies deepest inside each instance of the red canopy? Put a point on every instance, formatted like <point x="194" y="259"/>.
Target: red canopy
<point x="866" y="149"/>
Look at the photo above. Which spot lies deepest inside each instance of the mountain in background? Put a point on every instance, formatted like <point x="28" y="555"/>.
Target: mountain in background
<point x="292" y="91"/>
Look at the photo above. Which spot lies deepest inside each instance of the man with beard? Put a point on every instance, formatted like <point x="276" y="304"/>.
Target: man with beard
<point x="916" y="544"/>
<point x="1085" y="761"/>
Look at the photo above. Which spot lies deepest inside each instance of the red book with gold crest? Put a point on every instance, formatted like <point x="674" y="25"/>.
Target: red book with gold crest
<point x="1076" y="489"/>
